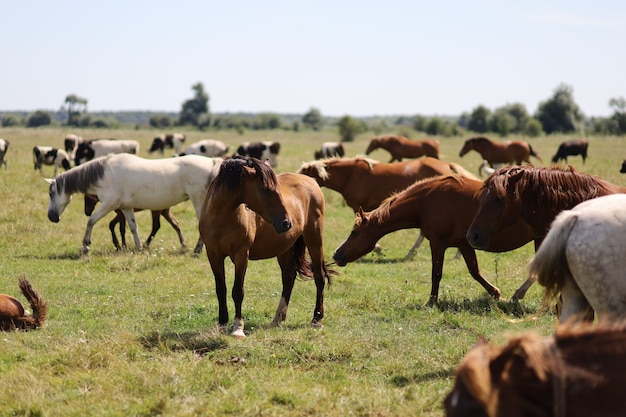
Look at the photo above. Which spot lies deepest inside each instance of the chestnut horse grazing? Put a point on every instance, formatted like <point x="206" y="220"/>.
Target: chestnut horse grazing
<point x="578" y="372"/>
<point x="364" y="183"/>
<point x="13" y="316"/>
<point x="400" y="147"/>
<point x="582" y="258"/>
<point x="250" y="213"/>
<point x="535" y="195"/>
<point x="571" y="148"/>
<point x="500" y="153"/>
<point x="443" y="207"/>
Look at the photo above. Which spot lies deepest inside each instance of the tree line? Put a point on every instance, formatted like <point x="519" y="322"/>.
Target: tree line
<point x="557" y="114"/>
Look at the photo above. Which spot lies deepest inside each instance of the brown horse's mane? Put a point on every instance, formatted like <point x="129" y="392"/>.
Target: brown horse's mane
<point x="78" y="179"/>
<point x="546" y="187"/>
<point x="320" y="166"/>
<point x="230" y="173"/>
<point x="539" y="354"/>
<point x="381" y="213"/>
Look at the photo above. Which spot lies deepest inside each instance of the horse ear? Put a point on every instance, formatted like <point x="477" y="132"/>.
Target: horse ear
<point x="49" y="180"/>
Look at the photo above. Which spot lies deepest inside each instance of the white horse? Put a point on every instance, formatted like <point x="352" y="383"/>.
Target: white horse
<point x="206" y="147"/>
<point x="4" y="147"/>
<point x="125" y="182"/>
<point x="582" y="257"/>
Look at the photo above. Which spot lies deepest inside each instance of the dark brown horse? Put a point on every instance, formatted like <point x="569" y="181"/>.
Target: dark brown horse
<point x="400" y="147"/>
<point x="443" y="208"/>
<point x="571" y="148"/>
<point x="120" y="219"/>
<point x="14" y="316"/>
<point x="578" y="372"/>
<point x="513" y="152"/>
<point x="250" y="213"/>
<point x="535" y="195"/>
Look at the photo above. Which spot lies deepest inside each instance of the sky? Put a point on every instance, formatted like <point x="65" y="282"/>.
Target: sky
<point x="357" y="58"/>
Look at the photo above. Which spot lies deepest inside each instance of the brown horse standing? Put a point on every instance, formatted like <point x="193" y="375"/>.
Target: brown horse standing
<point x="13" y="315"/>
<point x="578" y="372"/>
<point x="534" y="195"/>
<point x="400" y="147"/>
<point x="500" y="153"/>
<point x="250" y="213"/>
<point x="443" y="207"/>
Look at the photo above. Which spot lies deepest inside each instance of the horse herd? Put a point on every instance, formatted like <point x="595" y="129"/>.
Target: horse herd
<point x="246" y="211"/>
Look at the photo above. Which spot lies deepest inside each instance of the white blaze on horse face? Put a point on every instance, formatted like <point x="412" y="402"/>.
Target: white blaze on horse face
<point x="58" y="201"/>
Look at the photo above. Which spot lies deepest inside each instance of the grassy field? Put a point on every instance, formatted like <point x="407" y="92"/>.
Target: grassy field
<point x="134" y="333"/>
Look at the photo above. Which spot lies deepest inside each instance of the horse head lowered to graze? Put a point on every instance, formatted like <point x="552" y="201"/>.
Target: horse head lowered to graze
<point x="400" y="147"/>
<point x="535" y="195"/>
<point x="125" y="182"/>
<point x="13" y="315"/>
<point x="250" y="213"/>
<point x="582" y="259"/>
<point x="571" y="148"/>
<point x="512" y="152"/>
<point x="443" y="208"/>
<point x="578" y="372"/>
<point x="364" y="183"/>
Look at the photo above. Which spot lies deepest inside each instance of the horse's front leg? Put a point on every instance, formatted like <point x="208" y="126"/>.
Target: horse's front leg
<point x="241" y="265"/>
<point x="469" y="254"/>
<point x="132" y="223"/>
<point x="288" y="274"/>
<point x="217" y="266"/>
<point x="320" y="274"/>
<point x="99" y="213"/>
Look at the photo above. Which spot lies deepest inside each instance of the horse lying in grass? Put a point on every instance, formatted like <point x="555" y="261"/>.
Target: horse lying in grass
<point x="582" y="259"/>
<point x="443" y="208"/>
<point x="578" y="372"/>
<point x="13" y="315"/>
<point x="250" y="213"/>
<point x="125" y="182"/>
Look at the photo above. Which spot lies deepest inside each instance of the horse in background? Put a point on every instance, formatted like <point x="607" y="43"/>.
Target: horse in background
<point x="571" y="148"/>
<point x="579" y="371"/>
<point x="47" y="155"/>
<point x="125" y="181"/>
<point x="96" y="148"/>
<point x="250" y="213"/>
<point x="364" y="183"/>
<point x="400" y="147"/>
<point x="169" y="140"/>
<point x="4" y="148"/>
<point x="443" y="208"/>
<point x="206" y="147"/>
<point x="13" y="315"/>
<point x="264" y="151"/>
<point x="582" y="259"/>
<point x="119" y="219"/>
<point x="535" y="195"/>
<point x="330" y="150"/>
<point x="512" y="152"/>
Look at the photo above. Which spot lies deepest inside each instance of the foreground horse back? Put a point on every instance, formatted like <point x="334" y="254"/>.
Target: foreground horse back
<point x="13" y="315"/>
<point x="250" y="213"/>
<point x="582" y="259"/>
<point x="578" y="372"/>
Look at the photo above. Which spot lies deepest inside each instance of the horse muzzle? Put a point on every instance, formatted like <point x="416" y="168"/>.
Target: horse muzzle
<point x="340" y="258"/>
<point x="53" y="216"/>
<point x="477" y="240"/>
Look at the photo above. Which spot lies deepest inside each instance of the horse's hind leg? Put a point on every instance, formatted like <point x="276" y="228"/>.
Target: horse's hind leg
<point x="156" y="225"/>
<point x="118" y="219"/>
<point x="574" y="302"/>
<point x="175" y="225"/>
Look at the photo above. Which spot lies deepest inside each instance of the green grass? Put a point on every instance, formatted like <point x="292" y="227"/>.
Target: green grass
<point x="134" y="334"/>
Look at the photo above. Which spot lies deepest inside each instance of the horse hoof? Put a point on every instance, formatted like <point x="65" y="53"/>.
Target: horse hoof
<point x="238" y="334"/>
<point x="222" y="329"/>
<point x="317" y="324"/>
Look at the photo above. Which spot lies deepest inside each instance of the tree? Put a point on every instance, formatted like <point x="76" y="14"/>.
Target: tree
<point x="349" y="128"/>
<point x="560" y="113"/>
<point x="479" y="120"/>
<point x="313" y="119"/>
<point x="39" y="118"/>
<point x="196" y="106"/>
<point x="9" y="120"/>
<point x="619" y="114"/>
<point x="75" y="106"/>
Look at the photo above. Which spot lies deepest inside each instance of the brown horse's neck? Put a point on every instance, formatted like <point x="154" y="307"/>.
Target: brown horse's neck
<point x="397" y="214"/>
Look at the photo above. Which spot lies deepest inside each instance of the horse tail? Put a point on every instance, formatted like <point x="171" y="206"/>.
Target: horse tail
<point x="304" y="266"/>
<point x="549" y="265"/>
<point x="37" y="304"/>
<point x="533" y="153"/>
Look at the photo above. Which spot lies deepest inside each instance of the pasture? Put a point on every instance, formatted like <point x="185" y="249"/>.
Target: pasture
<point x="135" y="333"/>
